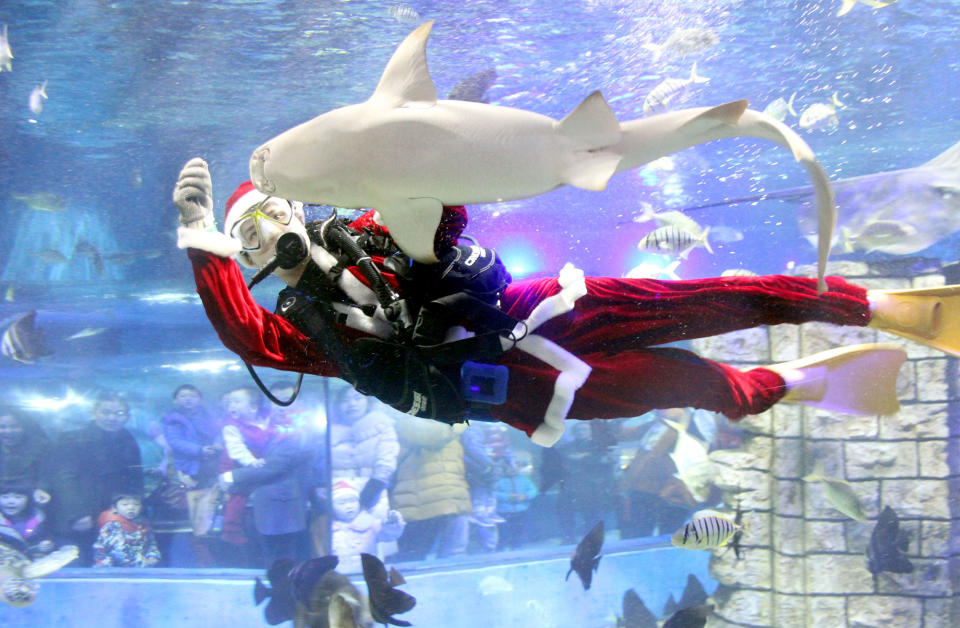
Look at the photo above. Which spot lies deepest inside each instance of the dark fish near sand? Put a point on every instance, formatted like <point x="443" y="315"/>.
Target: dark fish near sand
<point x="693" y="594"/>
<point x="693" y="617"/>
<point x="385" y="600"/>
<point x="635" y="612"/>
<point x="21" y="340"/>
<point x="85" y="249"/>
<point x="281" y="606"/>
<point x="888" y="545"/>
<point x="474" y="87"/>
<point x="586" y="558"/>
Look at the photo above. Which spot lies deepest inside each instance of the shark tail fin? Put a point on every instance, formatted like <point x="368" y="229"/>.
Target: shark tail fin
<point x="816" y="474"/>
<point x="591" y="126"/>
<point x="696" y="78"/>
<point x="406" y="80"/>
<point x="847" y="5"/>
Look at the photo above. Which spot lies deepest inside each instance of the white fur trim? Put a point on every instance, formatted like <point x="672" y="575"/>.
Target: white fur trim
<point x="573" y="370"/>
<point x="210" y="241"/>
<point x="241" y="205"/>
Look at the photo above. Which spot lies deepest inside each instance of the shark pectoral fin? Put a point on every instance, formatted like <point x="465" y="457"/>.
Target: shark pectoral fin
<point x="406" y="80"/>
<point x="413" y="226"/>
<point x="592" y="124"/>
<point x="591" y="171"/>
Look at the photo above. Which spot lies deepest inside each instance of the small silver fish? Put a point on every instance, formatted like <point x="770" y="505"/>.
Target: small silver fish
<point x="674" y="240"/>
<point x="876" y="4"/>
<point x="5" y="53"/>
<point x="648" y="270"/>
<point x="875" y="235"/>
<point x="707" y="530"/>
<point x="738" y="272"/>
<point x="669" y="90"/>
<point x="41" y="201"/>
<point x="37" y="96"/>
<point x="404" y="13"/>
<point x="87" y="332"/>
<point x="50" y="257"/>
<point x="679" y="220"/>
<point x="683" y="42"/>
<point x="779" y="108"/>
<point x="838" y="493"/>
<point x="821" y="115"/>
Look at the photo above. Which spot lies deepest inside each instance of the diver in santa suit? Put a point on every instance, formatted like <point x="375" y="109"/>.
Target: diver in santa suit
<point x="458" y="340"/>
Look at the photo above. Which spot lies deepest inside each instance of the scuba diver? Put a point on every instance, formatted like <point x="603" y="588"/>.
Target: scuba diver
<point x="457" y="340"/>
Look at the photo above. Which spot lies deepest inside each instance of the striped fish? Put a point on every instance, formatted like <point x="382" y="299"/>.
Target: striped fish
<point x="706" y="531"/>
<point x="673" y="239"/>
<point x="669" y="89"/>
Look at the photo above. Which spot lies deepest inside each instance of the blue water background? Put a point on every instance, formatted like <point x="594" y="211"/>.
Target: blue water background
<point x="137" y="88"/>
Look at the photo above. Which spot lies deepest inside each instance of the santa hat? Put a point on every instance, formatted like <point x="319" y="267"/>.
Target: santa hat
<point x="242" y="199"/>
<point x="343" y="487"/>
<point x="222" y="244"/>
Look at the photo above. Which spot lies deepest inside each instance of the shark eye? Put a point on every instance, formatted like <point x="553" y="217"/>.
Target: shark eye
<point x="947" y="192"/>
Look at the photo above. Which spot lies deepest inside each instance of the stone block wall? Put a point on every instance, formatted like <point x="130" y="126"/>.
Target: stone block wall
<point x="804" y="562"/>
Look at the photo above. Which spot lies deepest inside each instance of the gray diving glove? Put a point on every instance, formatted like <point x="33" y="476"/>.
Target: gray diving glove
<point x="193" y="195"/>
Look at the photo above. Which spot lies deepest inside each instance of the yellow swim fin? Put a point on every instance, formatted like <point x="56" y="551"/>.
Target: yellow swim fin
<point x="859" y="379"/>
<point x="930" y="316"/>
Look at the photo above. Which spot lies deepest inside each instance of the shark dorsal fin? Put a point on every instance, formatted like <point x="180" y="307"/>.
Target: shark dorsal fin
<point x="949" y="158"/>
<point x="592" y="123"/>
<point x="406" y="80"/>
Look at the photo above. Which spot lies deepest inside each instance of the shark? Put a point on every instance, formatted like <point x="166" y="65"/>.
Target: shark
<point x="407" y="153"/>
<point x="922" y="202"/>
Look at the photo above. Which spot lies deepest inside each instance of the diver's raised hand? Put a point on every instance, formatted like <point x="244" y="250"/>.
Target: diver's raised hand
<point x="193" y="195"/>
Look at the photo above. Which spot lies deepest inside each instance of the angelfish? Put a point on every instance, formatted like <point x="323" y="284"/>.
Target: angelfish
<point x="586" y="558"/>
<point x="5" y="53"/>
<point x="407" y="154"/>
<point x="385" y="599"/>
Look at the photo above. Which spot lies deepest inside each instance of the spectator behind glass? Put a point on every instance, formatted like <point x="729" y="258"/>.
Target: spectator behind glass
<point x="588" y="467"/>
<point x="357" y="531"/>
<point x="125" y="539"/>
<point x="651" y="496"/>
<point x="272" y="467"/>
<point x="364" y="448"/>
<point x="22" y="519"/>
<point x="89" y="466"/>
<point x="482" y="469"/>
<point x="193" y="436"/>
<point x="431" y="491"/>
<point x="24" y="447"/>
<point x="514" y="492"/>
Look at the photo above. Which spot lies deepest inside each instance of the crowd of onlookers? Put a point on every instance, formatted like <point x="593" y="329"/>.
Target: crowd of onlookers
<point x="243" y="482"/>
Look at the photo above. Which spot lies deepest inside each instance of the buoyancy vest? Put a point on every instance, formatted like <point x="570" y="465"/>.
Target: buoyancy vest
<point x="414" y="370"/>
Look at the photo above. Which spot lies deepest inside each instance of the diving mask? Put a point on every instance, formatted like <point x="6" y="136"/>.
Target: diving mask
<point x="264" y="219"/>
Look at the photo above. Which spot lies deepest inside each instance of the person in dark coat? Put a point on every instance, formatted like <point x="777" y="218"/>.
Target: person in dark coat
<point x="23" y="448"/>
<point x="278" y="491"/>
<point x="88" y="467"/>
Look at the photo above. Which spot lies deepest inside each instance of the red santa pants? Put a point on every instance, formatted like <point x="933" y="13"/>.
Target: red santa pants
<point x="616" y="326"/>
